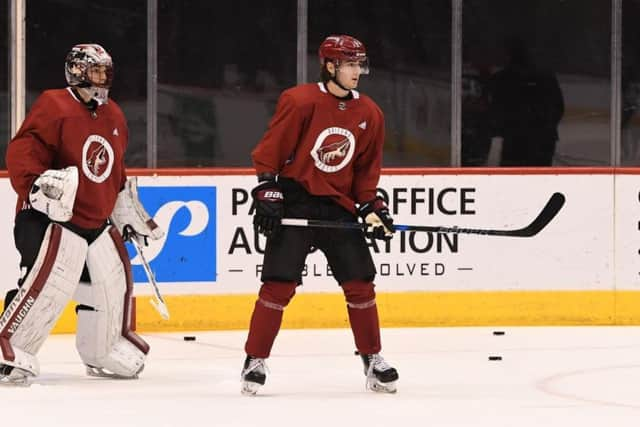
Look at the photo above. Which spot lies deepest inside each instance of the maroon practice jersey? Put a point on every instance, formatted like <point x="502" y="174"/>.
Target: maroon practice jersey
<point x="332" y="146"/>
<point x="60" y="131"/>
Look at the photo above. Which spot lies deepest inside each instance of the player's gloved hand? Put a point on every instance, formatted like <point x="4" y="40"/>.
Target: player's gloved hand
<point x="54" y="193"/>
<point x="269" y="202"/>
<point x="131" y="218"/>
<point x="378" y="219"/>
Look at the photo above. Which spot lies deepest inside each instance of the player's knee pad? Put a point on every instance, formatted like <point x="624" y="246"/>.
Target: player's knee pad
<point x="359" y="293"/>
<point x="277" y="295"/>
<point x="39" y="302"/>
<point x="104" y="338"/>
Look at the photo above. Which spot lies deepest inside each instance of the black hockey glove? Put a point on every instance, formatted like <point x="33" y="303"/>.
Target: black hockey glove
<point x="269" y="200"/>
<point x="375" y="214"/>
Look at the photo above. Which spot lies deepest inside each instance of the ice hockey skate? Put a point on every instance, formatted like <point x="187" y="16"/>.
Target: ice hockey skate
<point x="381" y="377"/>
<point x="253" y="375"/>
<point x="93" y="371"/>
<point x="10" y="375"/>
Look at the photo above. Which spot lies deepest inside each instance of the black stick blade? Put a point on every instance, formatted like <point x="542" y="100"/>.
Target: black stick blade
<point x="549" y="212"/>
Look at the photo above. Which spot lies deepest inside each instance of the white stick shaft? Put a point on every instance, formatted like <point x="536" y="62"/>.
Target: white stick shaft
<point x="159" y="303"/>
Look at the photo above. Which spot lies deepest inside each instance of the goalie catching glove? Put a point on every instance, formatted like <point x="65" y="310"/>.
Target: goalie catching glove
<point x="376" y="216"/>
<point x="131" y="218"/>
<point x="269" y="202"/>
<point x="54" y="193"/>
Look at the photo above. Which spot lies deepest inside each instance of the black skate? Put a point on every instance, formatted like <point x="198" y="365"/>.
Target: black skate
<point x="381" y="377"/>
<point x="253" y="376"/>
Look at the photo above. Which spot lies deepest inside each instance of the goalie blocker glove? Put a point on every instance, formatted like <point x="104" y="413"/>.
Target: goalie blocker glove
<point x="375" y="214"/>
<point x="269" y="202"/>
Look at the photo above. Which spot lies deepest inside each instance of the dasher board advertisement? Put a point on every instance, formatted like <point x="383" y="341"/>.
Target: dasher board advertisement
<point x="211" y="247"/>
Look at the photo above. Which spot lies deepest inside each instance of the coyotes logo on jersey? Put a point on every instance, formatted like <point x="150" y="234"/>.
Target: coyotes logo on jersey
<point x="97" y="158"/>
<point x="333" y="149"/>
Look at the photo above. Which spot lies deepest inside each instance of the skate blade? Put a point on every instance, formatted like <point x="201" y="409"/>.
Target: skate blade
<point x="379" y="387"/>
<point x="101" y="373"/>
<point x="17" y="378"/>
<point x="22" y="382"/>
<point x="249" y="388"/>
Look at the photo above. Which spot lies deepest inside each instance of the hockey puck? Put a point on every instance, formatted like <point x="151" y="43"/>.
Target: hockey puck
<point x="189" y="338"/>
<point x="498" y="332"/>
<point x="495" y="357"/>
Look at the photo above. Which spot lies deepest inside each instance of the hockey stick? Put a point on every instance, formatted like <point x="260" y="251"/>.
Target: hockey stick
<point x="158" y="302"/>
<point x="545" y="216"/>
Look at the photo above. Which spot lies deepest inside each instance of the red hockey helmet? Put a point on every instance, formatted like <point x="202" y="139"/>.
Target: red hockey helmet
<point x="343" y="48"/>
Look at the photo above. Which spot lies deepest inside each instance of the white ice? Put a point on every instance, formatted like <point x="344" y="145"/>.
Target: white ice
<point x="548" y="376"/>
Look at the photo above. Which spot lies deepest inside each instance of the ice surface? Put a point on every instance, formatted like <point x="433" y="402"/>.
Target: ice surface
<point x="570" y="376"/>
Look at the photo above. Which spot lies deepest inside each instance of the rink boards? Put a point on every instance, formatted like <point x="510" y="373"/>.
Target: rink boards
<point x="582" y="268"/>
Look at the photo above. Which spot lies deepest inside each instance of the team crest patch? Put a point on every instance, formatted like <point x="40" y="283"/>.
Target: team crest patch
<point x="333" y="149"/>
<point x="98" y="158"/>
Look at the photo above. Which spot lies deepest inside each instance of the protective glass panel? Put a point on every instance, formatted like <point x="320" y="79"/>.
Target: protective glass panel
<point x="536" y="83"/>
<point x="221" y="68"/>
<point x="409" y="48"/>
<point x="4" y="81"/>
<point x="53" y="27"/>
<point x="630" y="120"/>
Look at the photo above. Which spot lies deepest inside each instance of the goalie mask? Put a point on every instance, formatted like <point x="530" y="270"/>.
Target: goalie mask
<point x="343" y="48"/>
<point x="89" y="66"/>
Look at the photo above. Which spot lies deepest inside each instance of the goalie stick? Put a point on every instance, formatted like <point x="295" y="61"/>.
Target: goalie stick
<point x="545" y="216"/>
<point x="158" y="302"/>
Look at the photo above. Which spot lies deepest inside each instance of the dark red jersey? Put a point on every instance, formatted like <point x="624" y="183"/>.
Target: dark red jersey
<point x="332" y="146"/>
<point x="60" y="131"/>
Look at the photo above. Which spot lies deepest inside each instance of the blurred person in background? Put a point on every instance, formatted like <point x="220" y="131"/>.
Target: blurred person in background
<point x="526" y="106"/>
<point x="476" y="121"/>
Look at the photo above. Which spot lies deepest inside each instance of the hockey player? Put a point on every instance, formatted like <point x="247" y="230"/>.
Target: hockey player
<point x="320" y="158"/>
<point x="66" y="164"/>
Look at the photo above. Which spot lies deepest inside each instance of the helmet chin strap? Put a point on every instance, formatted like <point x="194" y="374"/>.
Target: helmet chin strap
<point x="335" y="80"/>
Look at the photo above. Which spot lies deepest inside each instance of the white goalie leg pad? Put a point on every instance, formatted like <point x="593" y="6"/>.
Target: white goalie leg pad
<point x="104" y="338"/>
<point x="45" y="292"/>
<point x="84" y="293"/>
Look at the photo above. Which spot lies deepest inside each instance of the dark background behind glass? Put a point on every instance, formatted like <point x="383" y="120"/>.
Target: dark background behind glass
<point x="630" y="122"/>
<point x="570" y="38"/>
<point x="409" y="48"/>
<point x="4" y="78"/>
<point x="221" y="68"/>
<point x="54" y="26"/>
